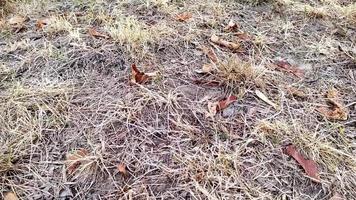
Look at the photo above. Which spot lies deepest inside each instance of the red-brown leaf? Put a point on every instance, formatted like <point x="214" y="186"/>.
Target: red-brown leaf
<point x="309" y="166"/>
<point x="287" y="67"/>
<point x="137" y="76"/>
<point x="225" y="103"/>
<point x="214" y="107"/>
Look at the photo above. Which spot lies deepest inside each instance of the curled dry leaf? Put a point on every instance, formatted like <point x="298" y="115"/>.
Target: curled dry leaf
<point x="73" y="160"/>
<point x="231" y="26"/>
<point x="182" y="17"/>
<point x="122" y="169"/>
<point x="10" y="196"/>
<point x="264" y="98"/>
<point x="210" y="53"/>
<point x="215" y="107"/>
<point x="93" y="32"/>
<point x="336" y="110"/>
<point x="217" y="40"/>
<point x="309" y="166"/>
<point x="287" y="67"/>
<point x="137" y="76"/>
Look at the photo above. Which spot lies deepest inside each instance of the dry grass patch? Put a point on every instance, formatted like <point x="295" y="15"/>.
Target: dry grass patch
<point x="333" y="151"/>
<point x="235" y="73"/>
<point x="26" y="113"/>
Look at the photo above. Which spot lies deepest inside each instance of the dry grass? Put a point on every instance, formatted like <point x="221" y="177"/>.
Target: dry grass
<point x="64" y="92"/>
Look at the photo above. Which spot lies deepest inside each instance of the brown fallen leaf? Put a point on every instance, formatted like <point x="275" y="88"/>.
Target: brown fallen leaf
<point x="41" y="23"/>
<point x="309" y="166"/>
<point x="336" y="109"/>
<point x="97" y="34"/>
<point x="137" y="76"/>
<point x="207" y="68"/>
<point x="210" y="53"/>
<point x="122" y="169"/>
<point x="287" y="67"/>
<point x="73" y="160"/>
<point x="217" y="106"/>
<point x="264" y="98"/>
<point x="231" y="26"/>
<point x="17" y="20"/>
<point x="10" y="196"/>
<point x="183" y="17"/>
<point x="217" y="40"/>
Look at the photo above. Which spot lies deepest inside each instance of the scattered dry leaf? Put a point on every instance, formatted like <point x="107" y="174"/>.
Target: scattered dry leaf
<point x="231" y="26"/>
<point x="122" y="169"/>
<point x="309" y="166"/>
<point x="215" y="107"/>
<point x="336" y="110"/>
<point x="183" y="17"/>
<point x="137" y="76"/>
<point x="17" y="20"/>
<point x="217" y="40"/>
<point x="210" y="53"/>
<point x="265" y="99"/>
<point x="73" y="160"/>
<point x="10" y="196"/>
<point x="41" y="23"/>
<point x="207" y="68"/>
<point x="97" y="34"/>
<point x="287" y="67"/>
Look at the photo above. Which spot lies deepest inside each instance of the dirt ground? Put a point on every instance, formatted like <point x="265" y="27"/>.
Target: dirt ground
<point x="75" y="123"/>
